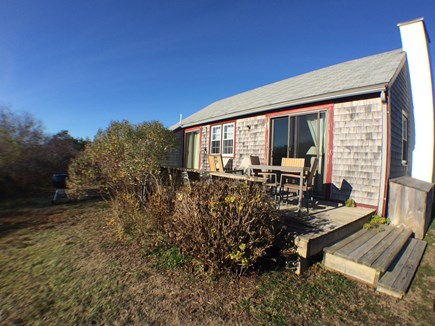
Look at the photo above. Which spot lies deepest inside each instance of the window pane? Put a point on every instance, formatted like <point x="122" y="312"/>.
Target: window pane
<point x="215" y="147"/>
<point x="228" y="139"/>
<point x="404" y="138"/>
<point x="404" y="151"/>
<point x="229" y="131"/>
<point x="280" y="139"/>
<point x="216" y="133"/>
<point x="405" y="128"/>
<point x="228" y="147"/>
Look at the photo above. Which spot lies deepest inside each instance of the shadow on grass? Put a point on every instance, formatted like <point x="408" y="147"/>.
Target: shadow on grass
<point x="36" y="211"/>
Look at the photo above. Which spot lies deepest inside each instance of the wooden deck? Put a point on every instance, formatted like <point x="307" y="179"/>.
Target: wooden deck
<point x="326" y="224"/>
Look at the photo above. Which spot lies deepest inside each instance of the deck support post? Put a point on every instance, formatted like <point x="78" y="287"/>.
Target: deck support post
<point x="302" y="265"/>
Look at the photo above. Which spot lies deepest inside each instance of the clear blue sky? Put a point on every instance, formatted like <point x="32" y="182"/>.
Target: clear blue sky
<point x="77" y="65"/>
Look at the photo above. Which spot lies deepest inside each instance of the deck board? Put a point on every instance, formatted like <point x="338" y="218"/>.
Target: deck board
<point x="371" y="248"/>
<point x="396" y="268"/>
<point x="324" y="226"/>
<point x="386" y="258"/>
<point x="345" y="242"/>
<point x="407" y="272"/>
<point x="397" y="279"/>
<point x="371" y="255"/>
<point x="348" y="250"/>
<point x="374" y="244"/>
<point x="325" y="221"/>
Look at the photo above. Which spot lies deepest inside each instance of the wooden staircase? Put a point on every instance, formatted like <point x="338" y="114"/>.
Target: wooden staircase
<point x="386" y="260"/>
<point x="398" y="277"/>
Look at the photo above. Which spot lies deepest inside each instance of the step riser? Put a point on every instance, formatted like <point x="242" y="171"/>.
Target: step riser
<point x="366" y="274"/>
<point x="308" y="249"/>
<point x="389" y="292"/>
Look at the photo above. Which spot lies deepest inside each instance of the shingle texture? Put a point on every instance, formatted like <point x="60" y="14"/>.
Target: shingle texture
<point x="337" y="80"/>
<point x="357" y="148"/>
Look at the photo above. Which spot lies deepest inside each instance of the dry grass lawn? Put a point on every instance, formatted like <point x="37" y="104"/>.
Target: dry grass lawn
<point x="63" y="265"/>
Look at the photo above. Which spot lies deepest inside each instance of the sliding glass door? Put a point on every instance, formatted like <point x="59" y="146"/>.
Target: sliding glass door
<point x="302" y="136"/>
<point x="191" y="150"/>
<point x="280" y="140"/>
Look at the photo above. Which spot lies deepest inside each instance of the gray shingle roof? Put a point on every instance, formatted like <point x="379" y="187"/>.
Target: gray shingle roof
<point x="361" y="76"/>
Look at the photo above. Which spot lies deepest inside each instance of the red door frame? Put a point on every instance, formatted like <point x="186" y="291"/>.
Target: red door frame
<point x="329" y="108"/>
<point x="191" y="129"/>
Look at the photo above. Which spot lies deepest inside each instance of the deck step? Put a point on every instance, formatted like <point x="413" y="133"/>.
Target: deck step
<point x="367" y="254"/>
<point x="398" y="277"/>
<point x="348" y="220"/>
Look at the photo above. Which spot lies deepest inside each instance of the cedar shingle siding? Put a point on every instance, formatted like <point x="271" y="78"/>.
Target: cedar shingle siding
<point x="250" y="140"/>
<point x="204" y="148"/>
<point x="357" y="151"/>
<point x="400" y="94"/>
<point x="175" y="157"/>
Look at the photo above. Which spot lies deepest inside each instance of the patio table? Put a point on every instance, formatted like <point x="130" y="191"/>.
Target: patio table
<point x="238" y="177"/>
<point x="299" y="172"/>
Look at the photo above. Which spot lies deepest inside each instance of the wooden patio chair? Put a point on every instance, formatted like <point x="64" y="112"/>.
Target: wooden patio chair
<point x="217" y="165"/>
<point x="272" y="181"/>
<point x="220" y="164"/>
<point x="212" y="163"/>
<point x="308" y="182"/>
<point x="289" y="161"/>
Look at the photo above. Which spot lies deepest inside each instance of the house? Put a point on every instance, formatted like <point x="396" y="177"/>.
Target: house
<point x="367" y="120"/>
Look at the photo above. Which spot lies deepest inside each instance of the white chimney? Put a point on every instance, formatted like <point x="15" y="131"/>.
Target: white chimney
<point x="415" y="42"/>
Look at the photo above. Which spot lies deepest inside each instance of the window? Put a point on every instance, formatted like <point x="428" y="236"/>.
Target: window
<point x="228" y="139"/>
<point x="404" y="139"/>
<point x="222" y="139"/>
<point x="215" y="140"/>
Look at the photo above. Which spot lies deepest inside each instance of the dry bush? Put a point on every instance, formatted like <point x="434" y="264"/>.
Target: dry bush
<point x="228" y="226"/>
<point x="123" y="164"/>
<point x="160" y="205"/>
<point x="131" y="218"/>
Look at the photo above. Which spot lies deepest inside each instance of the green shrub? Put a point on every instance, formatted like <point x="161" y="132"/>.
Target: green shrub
<point x="227" y="226"/>
<point x="350" y="203"/>
<point x="377" y="222"/>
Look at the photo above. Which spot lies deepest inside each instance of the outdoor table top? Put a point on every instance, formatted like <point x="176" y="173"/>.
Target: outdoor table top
<point x="238" y="177"/>
<point x="279" y="168"/>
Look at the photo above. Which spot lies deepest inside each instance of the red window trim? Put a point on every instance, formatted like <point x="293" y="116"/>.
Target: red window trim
<point x="221" y="140"/>
<point x="325" y="107"/>
<point x="192" y="129"/>
<point x="269" y="116"/>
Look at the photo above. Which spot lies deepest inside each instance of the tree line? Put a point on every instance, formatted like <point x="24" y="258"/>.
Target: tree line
<point x="29" y="156"/>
